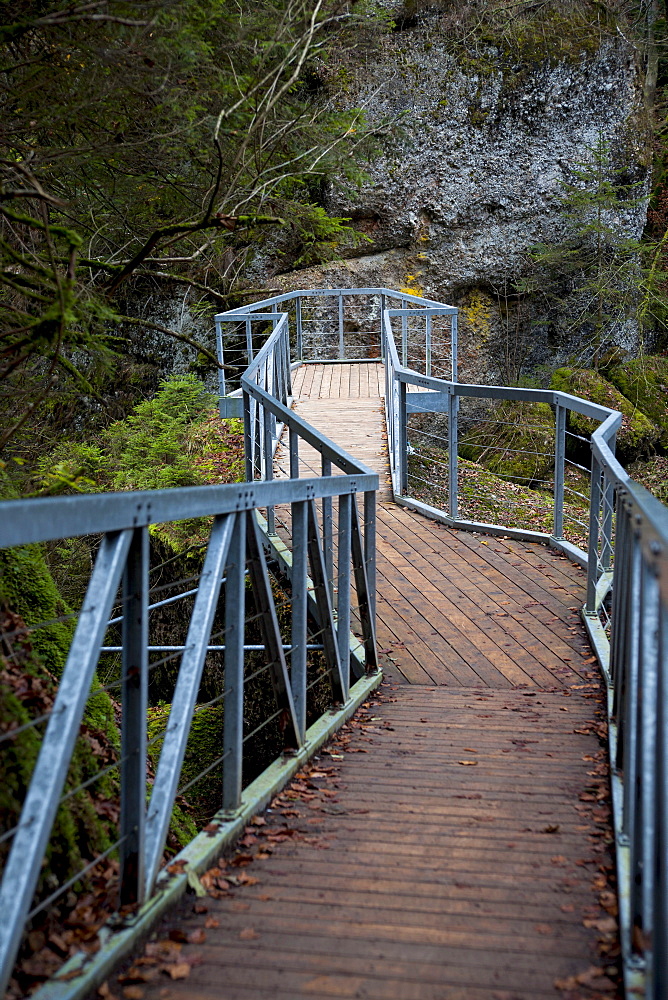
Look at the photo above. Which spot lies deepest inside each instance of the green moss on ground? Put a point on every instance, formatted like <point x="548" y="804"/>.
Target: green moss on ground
<point x="638" y="435"/>
<point x="644" y="382"/>
<point x="518" y="445"/>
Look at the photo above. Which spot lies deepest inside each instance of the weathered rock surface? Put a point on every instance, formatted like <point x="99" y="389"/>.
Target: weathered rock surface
<point x="473" y="180"/>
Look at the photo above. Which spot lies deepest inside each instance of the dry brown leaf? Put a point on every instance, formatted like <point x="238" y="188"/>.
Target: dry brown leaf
<point x="248" y="934"/>
<point x="211" y="923"/>
<point x="198" y="936"/>
<point x="181" y="970"/>
<point x="468" y="763"/>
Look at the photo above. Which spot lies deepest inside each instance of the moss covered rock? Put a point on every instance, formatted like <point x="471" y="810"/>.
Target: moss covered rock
<point x="644" y="382"/>
<point x="637" y="436"/>
<point x="515" y="442"/>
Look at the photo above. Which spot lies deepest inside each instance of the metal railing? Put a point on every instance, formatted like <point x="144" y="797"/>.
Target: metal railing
<point x="309" y="528"/>
<point x="596" y="515"/>
<point x="310" y="644"/>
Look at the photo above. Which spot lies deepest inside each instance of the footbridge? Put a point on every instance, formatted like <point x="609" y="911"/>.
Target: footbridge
<point x="429" y="624"/>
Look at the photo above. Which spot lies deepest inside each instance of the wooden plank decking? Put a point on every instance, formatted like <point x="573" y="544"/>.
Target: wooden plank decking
<point x="452" y="840"/>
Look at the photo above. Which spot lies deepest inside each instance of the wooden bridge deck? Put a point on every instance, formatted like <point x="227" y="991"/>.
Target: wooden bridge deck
<point x="453" y="842"/>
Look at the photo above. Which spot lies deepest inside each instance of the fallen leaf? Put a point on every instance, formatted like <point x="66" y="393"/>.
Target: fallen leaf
<point x="248" y="934"/>
<point x="179" y="971"/>
<point x="211" y="923"/>
<point x="468" y="763"/>
<point x="198" y="936"/>
<point x="133" y="993"/>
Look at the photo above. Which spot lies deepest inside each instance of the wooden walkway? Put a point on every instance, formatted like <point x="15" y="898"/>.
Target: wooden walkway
<point x="453" y="842"/>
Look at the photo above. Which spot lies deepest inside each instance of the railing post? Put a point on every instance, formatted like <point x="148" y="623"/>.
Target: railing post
<point x="404" y="337"/>
<point x="343" y="590"/>
<point x="592" y="550"/>
<point x="403" y="440"/>
<point x="248" y="436"/>
<point x="298" y="326"/>
<point x="299" y="608"/>
<point x="383" y="345"/>
<point x="220" y="350"/>
<point x="660" y="875"/>
<point x="233" y="722"/>
<point x="427" y="347"/>
<point x="342" y="349"/>
<point x="268" y="463"/>
<point x="134" y="699"/>
<point x="454" y="345"/>
<point x="608" y="499"/>
<point x="249" y="340"/>
<point x="370" y="548"/>
<point x="453" y="449"/>
<point x="327" y="531"/>
<point x="559" y="469"/>
<point x="643" y="835"/>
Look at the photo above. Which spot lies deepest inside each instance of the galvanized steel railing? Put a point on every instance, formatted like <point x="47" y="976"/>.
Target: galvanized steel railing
<point x="310" y="527"/>
<point x="622" y="543"/>
<point x="242" y="547"/>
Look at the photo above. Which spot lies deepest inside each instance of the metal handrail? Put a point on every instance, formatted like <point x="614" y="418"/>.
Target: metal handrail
<point x="626" y="609"/>
<point x="241" y="541"/>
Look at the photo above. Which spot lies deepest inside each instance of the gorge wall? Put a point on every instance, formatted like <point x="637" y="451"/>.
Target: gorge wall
<point x="487" y="129"/>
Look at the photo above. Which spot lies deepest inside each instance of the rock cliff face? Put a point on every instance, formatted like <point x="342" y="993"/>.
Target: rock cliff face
<point x="473" y="178"/>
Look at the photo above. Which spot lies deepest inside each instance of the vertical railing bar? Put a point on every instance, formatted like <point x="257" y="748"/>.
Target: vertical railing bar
<point x="341" y="343"/>
<point x="233" y="722"/>
<point x="220" y="349"/>
<point x="606" y="527"/>
<point x="249" y="340"/>
<point x="428" y="344"/>
<point x="383" y="341"/>
<point x="559" y="468"/>
<point x="642" y="842"/>
<point x="660" y="873"/>
<point x="454" y="346"/>
<point x="327" y="531"/>
<point x="628" y="762"/>
<point x="594" y="521"/>
<point x="298" y="324"/>
<point x="268" y="465"/>
<point x="404" y="338"/>
<point x="134" y="701"/>
<point x="293" y="439"/>
<point x="364" y="586"/>
<point x="403" y="440"/>
<point x="343" y="589"/>
<point x="298" y="663"/>
<point x="248" y="407"/>
<point x="453" y="449"/>
<point x="370" y="548"/>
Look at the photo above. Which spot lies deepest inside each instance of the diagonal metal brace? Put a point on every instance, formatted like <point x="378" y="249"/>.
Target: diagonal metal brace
<point x="367" y="619"/>
<point x="41" y="804"/>
<point x="185" y="695"/>
<point x="264" y="605"/>
<point x="324" y="605"/>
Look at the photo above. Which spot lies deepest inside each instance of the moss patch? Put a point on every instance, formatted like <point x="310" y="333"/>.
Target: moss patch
<point x="637" y="436"/>
<point x="644" y="382"/>
<point x="518" y="445"/>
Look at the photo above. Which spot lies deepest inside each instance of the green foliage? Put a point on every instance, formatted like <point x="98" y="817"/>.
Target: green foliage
<point x="637" y="435"/>
<point x="132" y="152"/>
<point x="146" y="450"/>
<point x="644" y="381"/>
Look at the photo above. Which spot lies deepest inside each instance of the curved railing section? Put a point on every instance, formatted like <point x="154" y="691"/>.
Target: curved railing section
<point x="593" y="513"/>
<point x="290" y="563"/>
